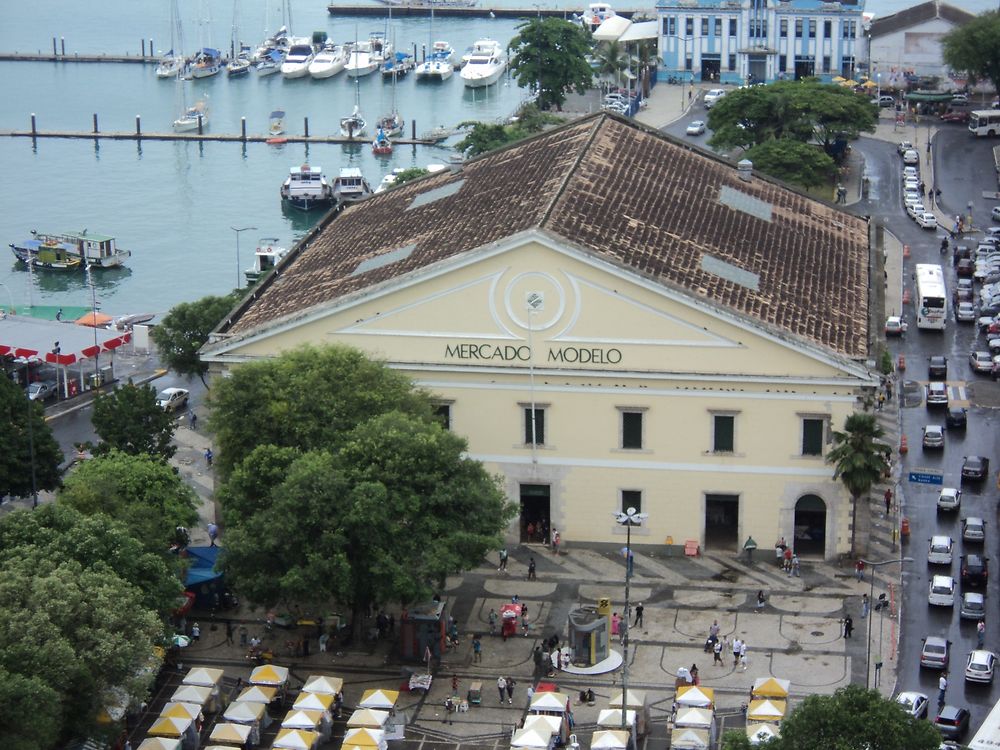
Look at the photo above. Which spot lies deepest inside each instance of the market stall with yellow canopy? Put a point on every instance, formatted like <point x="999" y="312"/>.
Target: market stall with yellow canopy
<point x="207" y="678"/>
<point x="160" y="743"/>
<point x="767" y="710"/>
<point x="237" y="734"/>
<point x="761" y="732"/>
<point x="364" y="738"/>
<point x="696" y="696"/>
<point x="296" y="739"/>
<point x="770" y="687"/>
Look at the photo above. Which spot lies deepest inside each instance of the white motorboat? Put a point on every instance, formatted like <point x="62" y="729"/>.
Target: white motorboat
<point x="486" y="64"/>
<point x="306" y="188"/>
<point x="328" y="61"/>
<point x="208" y="62"/>
<point x="276" y="124"/>
<point x="300" y="55"/>
<point x="438" y="65"/>
<point x="192" y="116"/>
<point x="361" y="61"/>
<point x="270" y="63"/>
<point x="267" y="256"/>
<point x="354" y="125"/>
<point x="351" y="186"/>
<point x="596" y="14"/>
<point x="277" y="41"/>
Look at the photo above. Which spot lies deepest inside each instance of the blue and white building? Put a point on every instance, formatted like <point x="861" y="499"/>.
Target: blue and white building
<point x="740" y="41"/>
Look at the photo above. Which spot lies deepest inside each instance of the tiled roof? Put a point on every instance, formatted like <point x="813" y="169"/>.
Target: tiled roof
<point x="917" y="14"/>
<point x="630" y="195"/>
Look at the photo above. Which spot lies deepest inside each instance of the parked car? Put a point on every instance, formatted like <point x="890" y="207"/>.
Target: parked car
<point x="949" y="498"/>
<point x="980" y="666"/>
<point x="910" y="156"/>
<point x="995" y="213"/>
<point x="973" y="529"/>
<point x="697" y="127"/>
<point x="975" y="468"/>
<point x="965" y="268"/>
<point x="973" y="606"/>
<point x="712" y="96"/>
<point x="957" y="418"/>
<point x="903" y="146"/>
<point x="915" y="209"/>
<point x="926" y="220"/>
<point x="934" y="653"/>
<point x="884" y="101"/>
<point x="937" y="395"/>
<point x="941" y="592"/>
<point x="975" y="570"/>
<point x="915" y="704"/>
<point x="42" y="390"/>
<point x="937" y="367"/>
<point x="895" y="326"/>
<point x="911" y="173"/>
<point x="952" y="722"/>
<point x="939" y="550"/>
<point x="933" y="436"/>
<point x="171" y="399"/>
<point x="965" y="312"/>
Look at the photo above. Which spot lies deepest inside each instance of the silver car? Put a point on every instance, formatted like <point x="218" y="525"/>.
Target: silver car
<point x="980" y="666"/>
<point x="973" y="606"/>
<point x="973" y="529"/>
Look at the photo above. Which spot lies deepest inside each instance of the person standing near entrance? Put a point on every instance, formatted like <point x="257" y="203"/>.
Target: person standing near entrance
<point x="638" y="615"/>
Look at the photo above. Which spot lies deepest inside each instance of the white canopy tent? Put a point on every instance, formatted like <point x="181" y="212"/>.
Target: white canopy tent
<point x="227" y="732"/>
<point x="609" y="739"/>
<point x="325" y="684"/>
<point x="761" y="732"/>
<point x="364" y="738"/>
<point x="689" y="739"/>
<point x="699" y="718"/>
<point x="368" y="717"/>
<point x="531" y="738"/>
<point x="384" y="700"/>
<point x="160" y="743"/>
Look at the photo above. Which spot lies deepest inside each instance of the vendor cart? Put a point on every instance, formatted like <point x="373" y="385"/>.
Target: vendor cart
<point x="510" y="616"/>
<point x="475" y="693"/>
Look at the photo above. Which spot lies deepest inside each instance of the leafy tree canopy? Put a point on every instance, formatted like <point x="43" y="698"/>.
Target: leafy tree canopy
<point x="80" y="605"/>
<point x="128" y="420"/>
<point x="485" y="137"/>
<point x="974" y="48"/>
<point x="411" y="173"/>
<point x="142" y="492"/>
<point x="15" y="443"/>
<point x="792" y="161"/>
<point x="550" y="56"/>
<point x="308" y="399"/>
<point x="804" y="110"/>
<point x="185" y="330"/>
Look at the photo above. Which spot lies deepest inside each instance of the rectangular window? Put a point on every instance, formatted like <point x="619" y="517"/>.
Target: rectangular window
<point x="850" y="29"/>
<point x="812" y="28"/>
<point x="442" y="412"/>
<point x="826" y="63"/>
<point x="812" y="436"/>
<point x="783" y="28"/>
<point x="798" y="28"/>
<point x="732" y="27"/>
<point x="632" y="430"/>
<point x="670" y="25"/>
<point x="718" y="27"/>
<point x="632" y="499"/>
<point x="704" y="27"/>
<point x="732" y="62"/>
<point x="688" y="64"/>
<point x="827" y="29"/>
<point x="723" y="433"/>
<point x="782" y="62"/>
<point x="534" y="430"/>
<point x="688" y="26"/>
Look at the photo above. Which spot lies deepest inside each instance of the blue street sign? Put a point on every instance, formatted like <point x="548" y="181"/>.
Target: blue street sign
<point x="926" y="476"/>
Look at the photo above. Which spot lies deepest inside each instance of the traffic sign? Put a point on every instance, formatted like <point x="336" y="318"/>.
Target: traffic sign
<point x="926" y="476"/>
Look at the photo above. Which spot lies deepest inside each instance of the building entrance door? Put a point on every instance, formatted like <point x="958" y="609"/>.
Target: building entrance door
<point x="757" y="68"/>
<point x="810" y="526"/>
<point x="535" y="513"/>
<point x="805" y="67"/>
<point x="711" y="66"/>
<point x="722" y="521"/>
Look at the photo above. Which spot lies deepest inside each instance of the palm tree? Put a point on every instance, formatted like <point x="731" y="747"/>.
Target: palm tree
<point x="648" y="60"/>
<point x="860" y="460"/>
<point x="611" y="60"/>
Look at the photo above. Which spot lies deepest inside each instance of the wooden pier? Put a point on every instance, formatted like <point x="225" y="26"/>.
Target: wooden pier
<point x="76" y="58"/>
<point x="112" y="135"/>
<point x="459" y="11"/>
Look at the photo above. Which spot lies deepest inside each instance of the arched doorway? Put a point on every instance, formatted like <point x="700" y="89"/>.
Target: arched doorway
<point x="810" y="526"/>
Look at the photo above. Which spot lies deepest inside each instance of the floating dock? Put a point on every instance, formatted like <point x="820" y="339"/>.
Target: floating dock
<point x="76" y="58"/>
<point x="203" y="137"/>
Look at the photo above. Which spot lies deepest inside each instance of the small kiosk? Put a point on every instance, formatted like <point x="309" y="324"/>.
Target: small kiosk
<point x="588" y="636"/>
<point x="177" y="728"/>
<point x="759" y="732"/>
<point x="363" y="738"/>
<point x="422" y="628"/>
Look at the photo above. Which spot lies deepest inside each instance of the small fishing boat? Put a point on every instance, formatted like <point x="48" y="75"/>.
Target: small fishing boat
<point x="381" y="146"/>
<point x="97" y="250"/>
<point x="350" y="186"/>
<point x="208" y="62"/>
<point x="193" y="117"/>
<point x="306" y="188"/>
<point x="300" y="55"/>
<point x="266" y="257"/>
<point x="277" y="123"/>
<point x="269" y="63"/>
<point x="329" y="61"/>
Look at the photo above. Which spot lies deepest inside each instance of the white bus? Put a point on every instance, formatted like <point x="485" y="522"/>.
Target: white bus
<point x="985" y="122"/>
<point x="988" y="736"/>
<point x="932" y="297"/>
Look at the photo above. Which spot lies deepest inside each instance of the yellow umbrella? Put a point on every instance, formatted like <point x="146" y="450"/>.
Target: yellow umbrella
<point x="869" y="84"/>
<point x="838" y="79"/>
<point x="851" y="82"/>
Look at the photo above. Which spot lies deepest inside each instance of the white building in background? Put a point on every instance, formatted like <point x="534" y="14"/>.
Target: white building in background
<point x="909" y="42"/>
<point x="735" y="41"/>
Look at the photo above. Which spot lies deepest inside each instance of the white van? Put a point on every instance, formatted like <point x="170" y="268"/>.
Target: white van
<point x="942" y="591"/>
<point x="939" y="552"/>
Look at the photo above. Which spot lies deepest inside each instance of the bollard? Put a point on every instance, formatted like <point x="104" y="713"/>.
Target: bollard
<point x="32" y="124"/>
<point x="95" y="122"/>
<point x="243" y="129"/>
<point x="150" y="47"/>
<point x="414" y="52"/>
<point x="414" y="128"/>
<point x="55" y="50"/>
<point x="62" y="44"/>
<point x="142" y="52"/>
<point x="423" y="53"/>
<point x="305" y="121"/>
<point x="138" y="128"/>
<point x="200" y="123"/>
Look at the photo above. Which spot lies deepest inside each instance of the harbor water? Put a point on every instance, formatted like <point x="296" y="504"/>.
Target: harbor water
<point x="174" y="204"/>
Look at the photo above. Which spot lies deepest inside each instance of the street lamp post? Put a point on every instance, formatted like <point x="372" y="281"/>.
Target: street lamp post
<point x="239" y="230"/>
<point x="684" y="39"/>
<point x="871" y="598"/>
<point x="628" y="518"/>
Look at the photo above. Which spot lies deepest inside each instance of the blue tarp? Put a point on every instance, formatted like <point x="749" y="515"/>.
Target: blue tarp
<point x="202" y="568"/>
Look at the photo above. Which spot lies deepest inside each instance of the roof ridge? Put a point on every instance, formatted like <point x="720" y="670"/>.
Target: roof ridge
<point x="569" y="172"/>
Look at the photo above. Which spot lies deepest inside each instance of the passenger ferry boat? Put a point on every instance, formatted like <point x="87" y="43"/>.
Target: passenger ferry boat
<point x="306" y="188"/>
<point x="59" y="250"/>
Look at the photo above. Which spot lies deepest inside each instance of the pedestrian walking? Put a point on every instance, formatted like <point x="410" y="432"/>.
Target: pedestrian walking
<point x="786" y="560"/>
<point x="859" y="570"/>
<point x="501" y="687"/>
<point x="795" y="566"/>
<point x="888" y="500"/>
<point x="229" y="632"/>
<point x="713" y="630"/>
<point x="503" y="559"/>
<point x="980" y="633"/>
<point x="213" y="534"/>
<point x="615" y="624"/>
<point x="881" y="402"/>
<point x="454" y="684"/>
<point x="192" y="419"/>
<point x="744" y="661"/>
<point x="531" y="569"/>
<point x="524" y="622"/>
<point x="477" y="648"/>
<point x="539" y="659"/>
<point x="492" y="617"/>
<point x="737" y="645"/>
<point x="244" y="633"/>
<point x="865" y="605"/>
<point x="556" y="540"/>
<point x="510" y="689"/>
<point x="888" y="390"/>
<point x="848" y="626"/>
<point x="942" y="687"/>
<point x="760" y="601"/>
<point x="638" y="615"/>
<point x="717" y="654"/>
<point x="196" y="632"/>
<point x="209" y="456"/>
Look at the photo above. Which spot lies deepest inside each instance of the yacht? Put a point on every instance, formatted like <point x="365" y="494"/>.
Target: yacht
<point x="240" y="65"/>
<point x="351" y="186"/>
<point x="277" y="41"/>
<point x="300" y="55"/>
<point x="208" y="62"/>
<point x="170" y="65"/>
<point x="193" y="117"/>
<point x="306" y="188"/>
<point x="486" y="64"/>
<point x="354" y="125"/>
<point x="329" y="61"/>
<point x="596" y="14"/>
<point x="368" y="56"/>
<point x="269" y="63"/>
<point x="438" y="65"/>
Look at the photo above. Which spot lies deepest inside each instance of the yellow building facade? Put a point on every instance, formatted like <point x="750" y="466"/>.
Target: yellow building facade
<point x="591" y="386"/>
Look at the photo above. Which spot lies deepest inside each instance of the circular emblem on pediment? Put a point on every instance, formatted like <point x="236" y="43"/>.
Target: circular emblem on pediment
<point x="534" y="300"/>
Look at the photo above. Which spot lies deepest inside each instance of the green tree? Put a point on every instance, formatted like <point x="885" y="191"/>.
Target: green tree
<point x="128" y="420"/>
<point x="483" y="137"/>
<point x="185" y="330"/>
<point x="18" y="442"/>
<point x="144" y="493"/>
<point x="860" y="460"/>
<point x="549" y="55"/>
<point x="854" y="719"/>
<point x="792" y="161"/>
<point x="309" y="399"/>
<point x="81" y="608"/>
<point x="410" y="173"/>
<point x="974" y="48"/>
